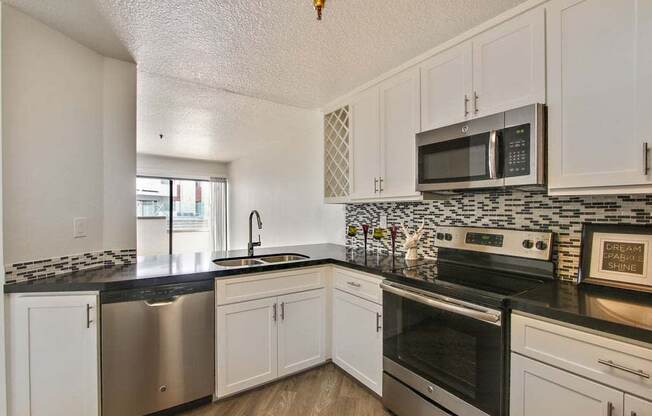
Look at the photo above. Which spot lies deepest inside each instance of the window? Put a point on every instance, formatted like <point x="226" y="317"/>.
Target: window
<point x="195" y="211"/>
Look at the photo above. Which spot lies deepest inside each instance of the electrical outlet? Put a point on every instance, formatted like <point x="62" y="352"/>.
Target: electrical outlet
<point x="383" y="220"/>
<point x="79" y="227"/>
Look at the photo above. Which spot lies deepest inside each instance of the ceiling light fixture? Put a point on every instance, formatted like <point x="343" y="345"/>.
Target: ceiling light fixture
<point x="319" y="5"/>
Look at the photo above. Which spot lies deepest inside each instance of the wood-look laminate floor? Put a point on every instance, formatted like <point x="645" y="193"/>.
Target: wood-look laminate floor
<point x="323" y="391"/>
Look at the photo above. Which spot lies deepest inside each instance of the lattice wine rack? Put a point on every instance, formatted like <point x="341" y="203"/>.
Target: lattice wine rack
<point x="337" y="143"/>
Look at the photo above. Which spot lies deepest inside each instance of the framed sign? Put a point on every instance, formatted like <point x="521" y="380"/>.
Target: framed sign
<point x="617" y="255"/>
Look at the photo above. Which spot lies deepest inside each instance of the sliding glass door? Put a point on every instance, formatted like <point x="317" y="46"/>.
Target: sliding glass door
<point x="180" y="215"/>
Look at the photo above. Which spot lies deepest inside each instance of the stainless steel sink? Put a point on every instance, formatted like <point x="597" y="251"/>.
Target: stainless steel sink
<point x="238" y="262"/>
<point x="282" y="258"/>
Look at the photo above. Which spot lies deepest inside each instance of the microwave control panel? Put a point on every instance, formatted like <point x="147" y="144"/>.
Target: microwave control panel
<point x="516" y="142"/>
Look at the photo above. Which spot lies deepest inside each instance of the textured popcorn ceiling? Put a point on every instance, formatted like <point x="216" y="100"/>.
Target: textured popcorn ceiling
<point x="79" y="20"/>
<point x="205" y="123"/>
<point x="269" y="49"/>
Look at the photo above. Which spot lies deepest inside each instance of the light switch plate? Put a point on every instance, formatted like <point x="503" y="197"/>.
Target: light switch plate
<point x="79" y="227"/>
<point x="383" y="221"/>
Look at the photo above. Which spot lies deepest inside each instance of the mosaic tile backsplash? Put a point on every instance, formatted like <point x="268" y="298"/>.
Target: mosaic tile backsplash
<point x="516" y="209"/>
<point x="39" y="269"/>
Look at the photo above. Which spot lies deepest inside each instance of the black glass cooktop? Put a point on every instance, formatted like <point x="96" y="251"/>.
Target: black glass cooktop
<point x="466" y="282"/>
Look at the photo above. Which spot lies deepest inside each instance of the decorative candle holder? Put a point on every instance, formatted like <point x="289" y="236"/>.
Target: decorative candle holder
<point x="365" y="231"/>
<point x="352" y="230"/>
<point x="393" y="231"/>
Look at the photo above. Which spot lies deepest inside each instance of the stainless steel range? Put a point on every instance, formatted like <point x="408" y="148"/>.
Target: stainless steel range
<point x="444" y="335"/>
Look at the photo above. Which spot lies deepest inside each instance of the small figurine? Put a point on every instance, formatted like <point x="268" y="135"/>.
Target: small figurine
<point x="411" y="242"/>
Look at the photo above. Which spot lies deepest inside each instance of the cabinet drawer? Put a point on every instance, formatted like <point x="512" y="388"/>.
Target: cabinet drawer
<point x="358" y="284"/>
<point x="263" y="285"/>
<point x="612" y="362"/>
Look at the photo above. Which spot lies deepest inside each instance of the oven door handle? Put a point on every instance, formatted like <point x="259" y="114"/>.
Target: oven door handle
<point x="493" y="155"/>
<point x="489" y="317"/>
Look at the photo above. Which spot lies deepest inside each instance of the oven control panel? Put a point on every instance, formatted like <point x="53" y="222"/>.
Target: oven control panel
<point x="516" y="141"/>
<point x="529" y="244"/>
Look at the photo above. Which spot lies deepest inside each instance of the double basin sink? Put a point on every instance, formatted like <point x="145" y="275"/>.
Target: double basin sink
<point x="259" y="260"/>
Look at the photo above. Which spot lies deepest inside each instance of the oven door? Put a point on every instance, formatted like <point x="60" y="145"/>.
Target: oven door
<point x="466" y="155"/>
<point x="448" y="350"/>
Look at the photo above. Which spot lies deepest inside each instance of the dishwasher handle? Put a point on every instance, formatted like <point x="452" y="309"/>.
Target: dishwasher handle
<point x="161" y="302"/>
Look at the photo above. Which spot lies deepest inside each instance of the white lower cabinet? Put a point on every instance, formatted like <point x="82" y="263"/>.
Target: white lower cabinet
<point x="566" y="371"/>
<point x="358" y="338"/>
<point x="246" y="345"/>
<point x="302" y="331"/>
<point x="260" y="340"/>
<point x="52" y="355"/>
<point x="637" y="407"/>
<point x="541" y="390"/>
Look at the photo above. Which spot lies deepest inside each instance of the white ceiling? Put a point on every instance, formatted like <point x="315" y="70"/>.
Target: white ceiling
<point x="199" y="122"/>
<point x="274" y="50"/>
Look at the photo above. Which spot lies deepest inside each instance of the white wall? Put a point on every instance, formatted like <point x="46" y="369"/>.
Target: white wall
<point x="171" y="167"/>
<point x="284" y="182"/>
<point x="58" y="146"/>
<point x="119" y="154"/>
<point x="3" y="377"/>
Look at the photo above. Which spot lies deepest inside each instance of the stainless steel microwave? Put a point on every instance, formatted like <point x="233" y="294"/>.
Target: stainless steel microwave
<point x="504" y="149"/>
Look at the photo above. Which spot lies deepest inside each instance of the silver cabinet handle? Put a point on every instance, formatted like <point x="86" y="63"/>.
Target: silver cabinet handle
<point x="380" y="184"/>
<point x="375" y="185"/>
<point x="646" y="164"/>
<point x="354" y="284"/>
<point x="88" y="315"/>
<point x="610" y="409"/>
<point x="611" y="364"/>
<point x="444" y="304"/>
<point x="274" y="313"/>
<point x="282" y="311"/>
<point x="378" y="327"/>
<point x="466" y="105"/>
<point x="492" y="154"/>
<point x="475" y="102"/>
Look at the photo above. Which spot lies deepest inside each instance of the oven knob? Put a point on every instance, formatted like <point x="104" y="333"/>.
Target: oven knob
<point x="448" y="237"/>
<point x="440" y="236"/>
<point x="528" y="244"/>
<point x="541" y="245"/>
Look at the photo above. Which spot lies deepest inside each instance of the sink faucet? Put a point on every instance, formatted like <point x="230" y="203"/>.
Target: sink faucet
<point x="252" y="244"/>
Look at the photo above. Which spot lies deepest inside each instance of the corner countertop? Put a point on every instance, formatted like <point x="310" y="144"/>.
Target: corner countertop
<point x="616" y="311"/>
<point x="179" y="268"/>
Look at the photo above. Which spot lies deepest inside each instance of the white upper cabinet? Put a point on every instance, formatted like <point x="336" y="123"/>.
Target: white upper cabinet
<point x="447" y="87"/>
<point x="53" y="355"/>
<point x="509" y="64"/>
<point x="399" y="122"/>
<point x="600" y="79"/>
<point x="365" y="121"/>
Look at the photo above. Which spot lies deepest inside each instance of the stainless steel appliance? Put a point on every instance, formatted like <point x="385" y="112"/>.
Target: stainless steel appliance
<point x="444" y="325"/>
<point x="157" y="348"/>
<point x="505" y="149"/>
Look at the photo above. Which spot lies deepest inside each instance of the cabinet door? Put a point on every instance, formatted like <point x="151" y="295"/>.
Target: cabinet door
<point x="637" y="407"/>
<point x="53" y="356"/>
<point x="600" y="75"/>
<point x="509" y="64"/>
<point x="366" y="144"/>
<point x="541" y="390"/>
<point x="399" y="122"/>
<point x="358" y="339"/>
<point x="302" y="331"/>
<point x="246" y="345"/>
<point x="446" y="87"/>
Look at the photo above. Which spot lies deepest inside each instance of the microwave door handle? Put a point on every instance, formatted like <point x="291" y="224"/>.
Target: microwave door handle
<point x="493" y="155"/>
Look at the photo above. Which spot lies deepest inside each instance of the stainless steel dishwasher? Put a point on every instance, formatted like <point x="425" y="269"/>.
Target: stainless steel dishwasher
<point x="157" y="348"/>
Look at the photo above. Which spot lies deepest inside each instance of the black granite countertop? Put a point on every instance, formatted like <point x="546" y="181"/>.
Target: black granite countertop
<point x="617" y="311"/>
<point x="179" y="268"/>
